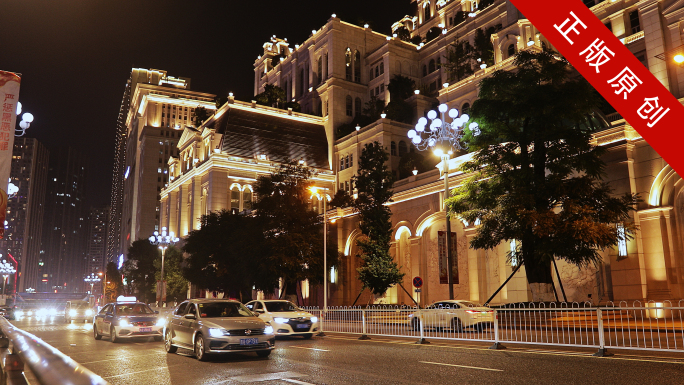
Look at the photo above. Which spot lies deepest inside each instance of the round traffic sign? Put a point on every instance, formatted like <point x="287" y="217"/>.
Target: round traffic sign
<point x="417" y="282"/>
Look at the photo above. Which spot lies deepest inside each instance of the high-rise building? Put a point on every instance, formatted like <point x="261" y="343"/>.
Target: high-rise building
<point x="66" y="227"/>
<point x="25" y="209"/>
<point x="98" y="221"/>
<point x="160" y="108"/>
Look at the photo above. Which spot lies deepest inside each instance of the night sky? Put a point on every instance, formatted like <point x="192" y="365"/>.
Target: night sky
<point x="76" y="55"/>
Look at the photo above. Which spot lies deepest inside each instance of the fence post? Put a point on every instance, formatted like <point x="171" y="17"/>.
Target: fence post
<point x="322" y="320"/>
<point x="422" y="340"/>
<point x="602" y="352"/>
<point x="497" y="344"/>
<point x="363" y="326"/>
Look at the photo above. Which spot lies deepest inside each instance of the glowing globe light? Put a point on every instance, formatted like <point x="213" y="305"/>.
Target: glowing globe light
<point x="423" y="121"/>
<point x="28" y="117"/>
<point x="443" y="108"/>
<point x="411" y="134"/>
<point x="432" y="142"/>
<point x="416" y="139"/>
<point x="420" y="128"/>
<point x="453" y="113"/>
<point x="24" y="124"/>
<point x="432" y="114"/>
<point x="465" y="117"/>
<point x="436" y="123"/>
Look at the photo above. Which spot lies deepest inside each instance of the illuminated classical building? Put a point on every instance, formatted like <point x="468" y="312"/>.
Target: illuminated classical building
<point x="159" y="109"/>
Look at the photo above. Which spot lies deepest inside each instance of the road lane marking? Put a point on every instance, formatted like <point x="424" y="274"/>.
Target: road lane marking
<point x="460" y="366"/>
<point x="302" y="347"/>
<point x="248" y="378"/>
<point x="143" y="371"/>
<point x="296" y="382"/>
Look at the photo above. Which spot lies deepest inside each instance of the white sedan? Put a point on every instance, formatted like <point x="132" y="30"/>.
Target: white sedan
<point x="285" y="317"/>
<point x="453" y="314"/>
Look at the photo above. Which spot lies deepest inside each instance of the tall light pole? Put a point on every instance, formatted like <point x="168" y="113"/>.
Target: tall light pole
<point x="324" y="197"/>
<point x="91" y="279"/>
<point x="163" y="241"/>
<point x="6" y="269"/>
<point x="443" y="139"/>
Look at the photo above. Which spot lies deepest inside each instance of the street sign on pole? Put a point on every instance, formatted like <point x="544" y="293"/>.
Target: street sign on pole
<point x="417" y="282"/>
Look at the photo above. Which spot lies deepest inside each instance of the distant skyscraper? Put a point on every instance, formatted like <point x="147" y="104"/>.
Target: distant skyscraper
<point x="159" y="108"/>
<point x="25" y="210"/>
<point x="98" y="220"/>
<point x="66" y="228"/>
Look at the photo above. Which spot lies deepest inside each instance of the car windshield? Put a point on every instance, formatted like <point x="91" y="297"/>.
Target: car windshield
<point x="280" y="306"/>
<point x="223" y="309"/>
<point x="133" y="309"/>
<point x="80" y="305"/>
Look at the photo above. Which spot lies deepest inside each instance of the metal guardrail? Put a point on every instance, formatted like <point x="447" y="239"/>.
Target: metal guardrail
<point x="651" y="326"/>
<point x="47" y="364"/>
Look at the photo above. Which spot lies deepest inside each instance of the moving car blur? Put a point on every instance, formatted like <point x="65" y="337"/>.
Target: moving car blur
<point x="121" y="320"/>
<point x="286" y="318"/>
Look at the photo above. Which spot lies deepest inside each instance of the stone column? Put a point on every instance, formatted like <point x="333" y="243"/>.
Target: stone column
<point x="655" y="43"/>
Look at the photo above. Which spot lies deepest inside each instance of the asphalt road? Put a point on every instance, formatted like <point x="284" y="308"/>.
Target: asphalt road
<point x="343" y="359"/>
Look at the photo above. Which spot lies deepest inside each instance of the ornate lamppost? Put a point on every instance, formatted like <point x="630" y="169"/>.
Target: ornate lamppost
<point x="443" y="139"/>
<point x="92" y="279"/>
<point x="163" y="241"/>
<point x="6" y="269"/>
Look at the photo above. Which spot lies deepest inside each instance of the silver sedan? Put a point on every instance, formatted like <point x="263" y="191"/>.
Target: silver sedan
<point x="209" y="326"/>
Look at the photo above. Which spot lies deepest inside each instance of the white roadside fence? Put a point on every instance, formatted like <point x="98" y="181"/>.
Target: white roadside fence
<point x="655" y="326"/>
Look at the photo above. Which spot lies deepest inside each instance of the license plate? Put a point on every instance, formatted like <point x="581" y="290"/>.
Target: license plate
<point x="249" y="341"/>
<point x="302" y="326"/>
<point x="143" y="330"/>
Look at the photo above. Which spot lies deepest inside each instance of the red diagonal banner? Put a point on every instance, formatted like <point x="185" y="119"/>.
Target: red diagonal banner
<point x="613" y="71"/>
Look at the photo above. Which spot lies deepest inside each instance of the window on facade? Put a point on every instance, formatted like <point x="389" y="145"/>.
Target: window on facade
<point x="319" y="74"/>
<point x="425" y="70"/>
<point x="432" y="67"/>
<point x="370" y="75"/>
<point x="465" y="109"/>
<point x="351" y="160"/>
<point x="382" y="88"/>
<point x="247" y="198"/>
<point x="357" y="66"/>
<point x="609" y="25"/>
<point x="235" y="198"/>
<point x="427" y="10"/>
<point x="382" y="68"/>
<point x="357" y="107"/>
<point x="302" y="85"/>
<point x="348" y="64"/>
<point x="393" y="148"/>
<point x="341" y="163"/>
<point x="350" y="111"/>
<point x="589" y="3"/>
<point x="511" y="50"/>
<point x="325" y="66"/>
<point x="634" y="21"/>
<point x="402" y="148"/>
<point x="346" y="161"/>
<point x="346" y="186"/>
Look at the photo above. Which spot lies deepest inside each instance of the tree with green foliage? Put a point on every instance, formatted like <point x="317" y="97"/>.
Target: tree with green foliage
<point x="112" y="283"/>
<point x="176" y="284"/>
<point x="403" y="33"/>
<point x="483" y="48"/>
<point x="374" y="184"/>
<point x="400" y="88"/>
<point x="459" y="60"/>
<point x="370" y="113"/>
<point x="199" y="116"/>
<point x="341" y="200"/>
<point x="274" y="96"/>
<point x="415" y="160"/>
<point x="220" y="101"/>
<point x="536" y="177"/>
<point x="432" y="34"/>
<point x="229" y="253"/>
<point x="292" y="230"/>
<point x="139" y="269"/>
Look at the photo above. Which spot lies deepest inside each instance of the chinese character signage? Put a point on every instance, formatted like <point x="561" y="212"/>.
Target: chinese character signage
<point x="443" y="266"/>
<point x="614" y="72"/>
<point x="9" y="96"/>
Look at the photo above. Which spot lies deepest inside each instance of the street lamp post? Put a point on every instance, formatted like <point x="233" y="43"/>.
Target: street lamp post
<point x="443" y="139"/>
<point x="324" y="197"/>
<point x="163" y="241"/>
<point x="6" y="269"/>
<point x="92" y="279"/>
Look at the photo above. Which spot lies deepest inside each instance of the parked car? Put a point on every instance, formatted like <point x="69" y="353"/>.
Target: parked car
<point x="454" y="314"/>
<point x="120" y="320"/>
<point x="7" y="312"/>
<point x="209" y="326"/>
<point x="78" y="311"/>
<point x="285" y="317"/>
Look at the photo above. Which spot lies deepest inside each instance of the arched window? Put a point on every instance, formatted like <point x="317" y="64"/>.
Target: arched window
<point x="465" y="108"/>
<point x="377" y="71"/>
<point x="402" y="148"/>
<point x="350" y="111"/>
<point x="357" y="107"/>
<point x="357" y="66"/>
<point x="511" y="50"/>
<point x="235" y="198"/>
<point x="302" y="85"/>
<point x="325" y="66"/>
<point x="247" y="198"/>
<point x="425" y="70"/>
<point x="427" y="10"/>
<point x="348" y="64"/>
<point x="382" y="67"/>
<point x="393" y="148"/>
<point x="432" y="67"/>
<point x="319" y="74"/>
<point x="370" y="75"/>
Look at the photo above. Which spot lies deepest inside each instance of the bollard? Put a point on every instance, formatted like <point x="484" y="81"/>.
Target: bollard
<point x="497" y="344"/>
<point x="364" y="336"/>
<point x="602" y="352"/>
<point x="422" y="340"/>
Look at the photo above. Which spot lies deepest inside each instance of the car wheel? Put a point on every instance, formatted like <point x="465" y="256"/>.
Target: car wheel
<point x="456" y="325"/>
<point x="307" y="336"/>
<point x="112" y="334"/>
<point x="167" y="342"/>
<point x="199" y="348"/>
<point x="263" y="353"/>
<point x="96" y="334"/>
<point x="415" y="324"/>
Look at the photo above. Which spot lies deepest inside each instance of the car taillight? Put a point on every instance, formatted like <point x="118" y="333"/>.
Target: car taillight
<point x="472" y="311"/>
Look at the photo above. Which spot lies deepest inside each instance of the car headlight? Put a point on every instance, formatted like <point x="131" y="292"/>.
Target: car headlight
<point x="30" y="312"/>
<point x="268" y="329"/>
<point x="89" y="312"/>
<point x="281" y="320"/>
<point x="161" y="322"/>
<point x="41" y="312"/>
<point x="124" y="322"/>
<point x="72" y="313"/>
<point x="52" y="311"/>
<point x="19" y="313"/>
<point x="314" y="319"/>
<point x="216" y="332"/>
